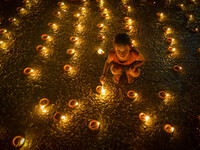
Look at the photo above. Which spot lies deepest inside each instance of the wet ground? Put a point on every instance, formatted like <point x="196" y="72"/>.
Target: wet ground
<point x="120" y="126"/>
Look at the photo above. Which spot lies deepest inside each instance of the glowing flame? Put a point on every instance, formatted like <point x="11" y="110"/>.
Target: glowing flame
<point x="102" y="90"/>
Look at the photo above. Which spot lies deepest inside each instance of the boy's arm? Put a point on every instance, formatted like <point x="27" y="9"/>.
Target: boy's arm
<point x="140" y="61"/>
<point x="106" y="66"/>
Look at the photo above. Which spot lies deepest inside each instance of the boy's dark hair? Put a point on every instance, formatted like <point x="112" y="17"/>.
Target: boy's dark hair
<point x="122" y="39"/>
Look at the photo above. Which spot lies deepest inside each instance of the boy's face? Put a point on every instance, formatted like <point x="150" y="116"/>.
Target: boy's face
<point x="122" y="51"/>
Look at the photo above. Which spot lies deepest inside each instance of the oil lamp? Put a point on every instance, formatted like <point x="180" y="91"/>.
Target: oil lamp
<point x="43" y="103"/>
<point x="104" y="15"/>
<point x="181" y="6"/>
<point x="167" y="30"/>
<point x="103" y="9"/>
<point x="127" y="19"/>
<point x="57" y="116"/>
<point x="152" y="3"/>
<point x="12" y="19"/>
<point x="100" y="25"/>
<point x="73" y="39"/>
<point x="20" y="9"/>
<point x="70" y="51"/>
<point x="28" y="71"/>
<point x="67" y="68"/>
<point x="45" y="37"/>
<point x="2" y="45"/>
<point x="76" y="15"/>
<point x="143" y="117"/>
<point x="189" y="16"/>
<point x="52" y="25"/>
<point x="171" y="49"/>
<point x="131" y="94"/>
<point x="177" y="68"/>
<point x="3" y="31"/>
<point x="100" y="37"/>
<point x="127" y="27"/>
<point x="170" y="40"/>
<point x="73" y="103"/>
<point x="193" y="1"/>
<point x="168" y="128"/>
<point x="100" y="52"/>
<point x="61" y="4"/>
<point x="76" y="25"/>
<point x="40" y="48"/>
<point x="163" y="94"/>
<point x="161" y="15"/>
<point x="56" y="13"/>
<point x="18" y="141"/>
<point x="82" y="8"/>
<point x="127" y="7"/>
<point x="194" y="30"/>
<point x="25" y="1"/>
<point x="94" y="125"/>
<point x="100" y="89"/>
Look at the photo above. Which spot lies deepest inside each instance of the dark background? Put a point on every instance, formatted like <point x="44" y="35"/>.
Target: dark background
<point x="120" y="127"/>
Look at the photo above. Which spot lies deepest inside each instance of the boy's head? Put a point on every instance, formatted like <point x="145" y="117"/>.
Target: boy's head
<point x="122" y="44"/>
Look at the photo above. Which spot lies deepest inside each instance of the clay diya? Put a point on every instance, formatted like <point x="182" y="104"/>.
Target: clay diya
<point x="131" y="94"/>
<point x="100" y="37"/>
<point x="18" y="141"/>
<point x="168" y="128"/>
<point x="28" y="71"/>
<point x="45" y="37"/>
<point x="163" y="94"/>
<point x="40" y="48"/>
<point x="177" y="68"/>
<point x="67" y="68"/>
<point x="143" y="117"/>
<point x="12" y="19"/>
<point x="70" y="51"/>
<point x="171" y="49"/>
<point x="3" y="31"/>
<point x="94" y="125"/>
<point x="57" y="116"/>
<point x="73" y="103"/>
<point x="43" y="102"/>
<point x="100" y="25"/>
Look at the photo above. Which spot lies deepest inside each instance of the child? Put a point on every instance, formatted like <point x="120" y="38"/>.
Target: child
<point x="123" y="55"/>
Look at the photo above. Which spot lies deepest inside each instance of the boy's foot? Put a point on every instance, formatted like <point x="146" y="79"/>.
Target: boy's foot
<point x="116" y="78"/>
<point x="130" y="79"/>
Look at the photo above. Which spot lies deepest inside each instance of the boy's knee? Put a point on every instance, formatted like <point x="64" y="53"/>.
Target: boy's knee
<point x="116" y="69"/>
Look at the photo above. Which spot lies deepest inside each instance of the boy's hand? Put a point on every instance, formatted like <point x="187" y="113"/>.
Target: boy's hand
<point x="103" y="79"/>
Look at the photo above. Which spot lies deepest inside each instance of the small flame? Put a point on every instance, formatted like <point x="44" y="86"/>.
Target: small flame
<point x="147" y="118"/>
<point x="103" y="90"/>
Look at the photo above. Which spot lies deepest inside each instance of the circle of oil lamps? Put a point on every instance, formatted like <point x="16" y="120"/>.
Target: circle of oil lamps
<point x="171" y="49"/>
<point x="76" y="15"/>
<point x="100" y="89"/>
<point x="100" y="52"/>
<point x="100" y="37"/>
<point x="43" y="102"/>
<point x="177" y="68"/>
<point x="131" y="94"/>
<point x="28" y="71"/>
<point x="73" y="39"/>
<point x="73" y="103"/>
<point x="94" y="125"/>
<point x="82" y="8"/>
<point x="76" y="25"/>
<point x="40" y="48"/>
<point x="52" y="25"/>
<point x="3" y="31"/>
<point x="160" y="14"/>
<point x="12" y="19"/>
<point x="57" y="116"/>
<point x="100" y="25"/>
<point x="61" y="4"/>
<point x="189" y="16"/>
<point x="170" y="40"/>
<point x="67" y="68"/>
<point x="20" y="9"/>
<point x="127" y="7"/>
<point x="104" y="15"/>
<point x="127" y="27"/>
<point x="70" y="51"/>
<point x="18" y="141"/>
<point x="56" y="13"/>
<point x="45" y="37"/>
<point x="163" y="94"/>
<point x="143" y="117"/>
<point x="168" y="128"/>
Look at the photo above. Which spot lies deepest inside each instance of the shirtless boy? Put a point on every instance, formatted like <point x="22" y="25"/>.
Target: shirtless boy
<point x="123" y="55"/>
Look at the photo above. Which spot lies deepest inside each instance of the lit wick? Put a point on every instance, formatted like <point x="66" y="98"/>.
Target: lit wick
<point x="127" y="27"/>
<point x="76" y="15"/>
<point x="100" y="52"/>
<point x="76" y="25"/>
<point x="43" y="103"/>
<point x="70" y="51"/>
<point x="52" y="25"/>
<point x="67" y="68"/>
<point x="3" y="31"/>
<point x="100" y="89"/>
<point x="28" y="71"/>
<point x="12" y="19"/>
<point x="40" y="48"/>
<point x="163" y="94"/>
<point x="100" y="37"/>
<point x="73" y="103"/>
<point x="82" y="8"/>
<point x="161" y="15"/>
<point x="46" y="37"/>
<point x="170" y="40"/>
<point x="177" y="68"/>
<point x="100" y="25"/>
<point x="73" y="39"/>
<point x="143" y="117"/>
<point x="132" y="94"/>
<point x="172" y="49"/>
